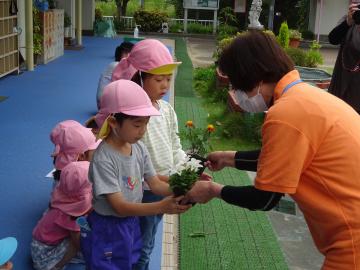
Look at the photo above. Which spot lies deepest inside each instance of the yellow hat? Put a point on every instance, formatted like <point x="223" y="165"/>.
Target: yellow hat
<point x="167" y="69"/>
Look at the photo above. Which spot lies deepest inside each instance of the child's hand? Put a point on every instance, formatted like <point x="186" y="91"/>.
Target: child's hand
<point x="205" y="177"/>
<point x="171" y="205"/>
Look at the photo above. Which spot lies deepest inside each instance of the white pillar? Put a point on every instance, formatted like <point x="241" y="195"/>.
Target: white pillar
<point x="215" y="22"/>
<point x="29" y="35"/>
<point x="78" y="22"/>
<point x="318" y="25"/>
<point x="185" y="19"/>
<point x="271" y="15"/>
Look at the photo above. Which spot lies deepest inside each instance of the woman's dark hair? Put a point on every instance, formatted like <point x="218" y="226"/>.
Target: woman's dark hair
<point x="137" y="77"/>
<point x="124" y="47"/>
<point x="120" y="117"/>
<point x="254" y="57"/>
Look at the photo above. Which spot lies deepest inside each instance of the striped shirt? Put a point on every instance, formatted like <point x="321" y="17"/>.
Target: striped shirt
<point x="162" y="140"/>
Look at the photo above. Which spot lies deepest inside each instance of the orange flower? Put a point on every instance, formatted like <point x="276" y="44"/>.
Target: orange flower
<point x="210" y="128"/>
<point x="189" y="124"/>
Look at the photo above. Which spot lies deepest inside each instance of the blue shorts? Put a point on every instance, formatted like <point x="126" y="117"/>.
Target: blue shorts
<point x="113" y="243"/>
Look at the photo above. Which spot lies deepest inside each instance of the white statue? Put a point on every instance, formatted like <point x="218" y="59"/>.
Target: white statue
<point x="254" y="15"/>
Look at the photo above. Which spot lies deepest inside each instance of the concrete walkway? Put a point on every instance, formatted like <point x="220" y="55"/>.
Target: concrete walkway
<point x="291" y="230"/>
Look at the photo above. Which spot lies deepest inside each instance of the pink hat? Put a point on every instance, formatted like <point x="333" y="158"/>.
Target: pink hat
<point x="126" y="97"/>
<point x="148" y="55"/>
<point x="71" y="139"/>
<point x="73" y="194"/>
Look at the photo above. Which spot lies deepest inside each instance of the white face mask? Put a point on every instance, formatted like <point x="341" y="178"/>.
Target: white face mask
<point x="251" y="104"/>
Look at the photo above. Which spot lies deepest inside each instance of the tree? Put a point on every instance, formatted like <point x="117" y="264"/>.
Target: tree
<point x="121" y="7"/>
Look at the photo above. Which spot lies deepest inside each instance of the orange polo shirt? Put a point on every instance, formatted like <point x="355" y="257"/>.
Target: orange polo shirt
<point x="311" y="150"/>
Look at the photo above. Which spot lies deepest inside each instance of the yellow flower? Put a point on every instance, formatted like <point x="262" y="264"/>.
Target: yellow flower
<point x="189" y="124"/>
<point x="210" y="128"/>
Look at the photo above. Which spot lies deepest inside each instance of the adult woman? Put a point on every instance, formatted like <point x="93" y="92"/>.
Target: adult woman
<point x="311" y="149"/>
<point x="346" y="76"/>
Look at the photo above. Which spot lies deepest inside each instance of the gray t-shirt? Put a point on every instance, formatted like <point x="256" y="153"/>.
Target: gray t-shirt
<point x="111" y="172"/>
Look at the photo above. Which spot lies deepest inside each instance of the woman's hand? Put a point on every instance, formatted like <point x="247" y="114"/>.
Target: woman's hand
<point x="203" y="191"/>
<point x="352" y="8"/>
<point x="171" y="205"/>
<point x="220" y="159"/>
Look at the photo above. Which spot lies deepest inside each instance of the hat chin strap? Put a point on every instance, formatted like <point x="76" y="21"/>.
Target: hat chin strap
<point x="141" y="80"/>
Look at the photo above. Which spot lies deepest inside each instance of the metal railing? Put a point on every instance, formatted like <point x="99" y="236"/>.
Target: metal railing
<point x="129" y="22"/>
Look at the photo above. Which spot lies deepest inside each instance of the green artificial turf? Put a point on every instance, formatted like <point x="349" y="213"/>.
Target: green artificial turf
<point x="217" y="235"/>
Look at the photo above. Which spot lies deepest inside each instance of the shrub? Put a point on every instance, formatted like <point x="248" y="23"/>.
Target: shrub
<point x="307" y="34"/>
<point x="197" y="28"/>
<point x="98" y="14"/>
<point x="119" y="25"/>
<point x="283" y="37"/>
<point x="205" y="85"/>
<point x="313" y="56"/>
<point x="176" y="28"/>
<point x="226" y="31"/>
<point x="67" y="20"/>
<point x="37" y="36"/>
<point x="297" y="55"/>
<point x="246" y="126"/>
<point x="294" y="34"/>
<point x="149" y="21"/>
<point x="107" y="8"/>
<point x="227" y="16"/>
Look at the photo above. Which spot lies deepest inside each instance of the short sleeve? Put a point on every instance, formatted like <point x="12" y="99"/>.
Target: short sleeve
<point x="285" y="154"/>
<point x="67" y="223"/>
<point x="104" y="178"/>
<point x="149" y="170"/>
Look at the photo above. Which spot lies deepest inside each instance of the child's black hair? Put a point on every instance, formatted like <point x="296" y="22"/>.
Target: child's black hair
<point x="120" y="117"/>
<point x="124" y="47"/>
<point x="91" y="124"/>
<point x="56" y="173"/>
<point x="137" y="77"/>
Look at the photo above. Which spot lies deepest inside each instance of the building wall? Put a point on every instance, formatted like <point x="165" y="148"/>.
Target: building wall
<point x="88" y="13"/>
<point x="332" y="12"/>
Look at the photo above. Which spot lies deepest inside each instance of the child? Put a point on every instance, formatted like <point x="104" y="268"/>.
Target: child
<point x="8" y="247"/>
<point x="116" y="171"/>
<point x="73" y="142"/>
<point x="56" y="236"/>
<point x="121" y="52"/>
<point x="151" y="65"/>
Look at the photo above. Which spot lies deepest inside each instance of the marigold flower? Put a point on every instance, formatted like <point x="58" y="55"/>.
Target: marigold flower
<point x="189" y="124"/>
<point x="210" y="128"/>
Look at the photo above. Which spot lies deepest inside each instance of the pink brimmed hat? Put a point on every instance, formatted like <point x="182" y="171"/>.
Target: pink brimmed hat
<point x="148" y="55"/>
<point x="71" y="139"/>
<point x="126" y="97"/>
<point x="73" y="194"/>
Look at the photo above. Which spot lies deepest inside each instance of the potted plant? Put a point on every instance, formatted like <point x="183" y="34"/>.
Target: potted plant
<point x="37" y="36"/>
<point x="186" y="174"/>
<point x="295" y="38"/>
<point x="67" y="24"/>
